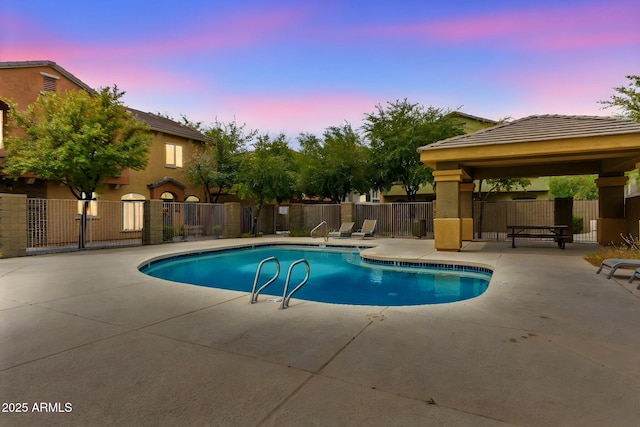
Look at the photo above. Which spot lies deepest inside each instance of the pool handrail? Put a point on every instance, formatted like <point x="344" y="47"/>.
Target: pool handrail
<point x="326" y="230"/>
<point x="285" y="298"/>
<point x="254" y="293"/>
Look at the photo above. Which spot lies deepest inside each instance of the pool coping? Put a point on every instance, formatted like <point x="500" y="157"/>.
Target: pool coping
<point x="457" y="266"/>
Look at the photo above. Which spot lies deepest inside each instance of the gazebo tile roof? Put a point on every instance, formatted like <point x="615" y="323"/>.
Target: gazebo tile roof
<point x="541" y="128"/>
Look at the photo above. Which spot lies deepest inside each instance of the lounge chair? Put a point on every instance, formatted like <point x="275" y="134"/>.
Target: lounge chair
<point x="368" y="227"/>
<point x="636" y="274"/>
<point x="615" y="263"/>
<point x="345" y="230"/>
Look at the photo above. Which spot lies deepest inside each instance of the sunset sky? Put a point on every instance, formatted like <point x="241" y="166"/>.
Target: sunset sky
<point x="302" y="66"/>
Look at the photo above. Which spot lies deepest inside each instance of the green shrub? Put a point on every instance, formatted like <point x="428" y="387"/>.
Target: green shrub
<point x="300" y="233"/>
<point x="578" y="227"/>
<point x="169" y="232"/>
<point x="250" y="234"/>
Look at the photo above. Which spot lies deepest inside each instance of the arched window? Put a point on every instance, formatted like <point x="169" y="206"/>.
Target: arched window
<point x="167" y="197"/>
<point x="192" y="210"/>
<point x="132" y="211"/>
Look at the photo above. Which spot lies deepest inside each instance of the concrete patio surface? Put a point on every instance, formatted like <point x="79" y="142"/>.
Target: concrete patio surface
<point x="550" y="343"/>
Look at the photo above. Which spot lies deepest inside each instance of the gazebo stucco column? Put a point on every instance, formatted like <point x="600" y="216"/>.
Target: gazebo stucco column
<point x="447" y="224"/>
<point x="466" y="209"/>
<point x="611" y="221"/>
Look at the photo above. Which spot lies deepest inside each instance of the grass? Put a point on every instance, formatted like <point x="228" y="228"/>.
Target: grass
<point x="628" y="249"/>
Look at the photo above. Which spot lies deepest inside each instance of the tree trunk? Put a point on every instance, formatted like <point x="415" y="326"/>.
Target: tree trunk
<point x="83" y="224"/>
<point x="217" y="195"/>
<point x="254" y="230"/>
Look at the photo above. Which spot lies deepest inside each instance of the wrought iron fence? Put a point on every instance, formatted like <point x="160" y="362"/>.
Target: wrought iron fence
<point x="315" y="214"/>
<point x="54" y="224"/>
<point x="491" y="218"/>
<point x="398" y="219"/>
<point x="585" y="219"/>
<point x="191" y="221"/>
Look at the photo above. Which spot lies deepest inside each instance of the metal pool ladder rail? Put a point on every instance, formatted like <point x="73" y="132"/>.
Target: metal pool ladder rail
<point x="254" y="293"/>
<point x="285" y="297"/>
<point x="326" y="230"/>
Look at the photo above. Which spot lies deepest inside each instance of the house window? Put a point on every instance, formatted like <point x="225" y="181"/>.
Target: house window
<point x="92" y="209"/>
<point x="132" y="212"/>
<point x="50" y="82"/>
<point x="173" y="158"/>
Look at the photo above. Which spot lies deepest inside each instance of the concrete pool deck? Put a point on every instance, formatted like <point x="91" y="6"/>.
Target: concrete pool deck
<point x="549" y="343"/>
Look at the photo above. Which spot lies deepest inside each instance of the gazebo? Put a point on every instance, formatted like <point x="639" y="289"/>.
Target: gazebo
<point x="540" y="145"/>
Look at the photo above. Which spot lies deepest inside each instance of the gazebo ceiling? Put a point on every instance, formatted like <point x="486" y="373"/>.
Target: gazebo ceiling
<point x="544" y="145"/>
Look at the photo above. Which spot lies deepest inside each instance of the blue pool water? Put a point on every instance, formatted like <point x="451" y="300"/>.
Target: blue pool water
<point x="338" y="275"/>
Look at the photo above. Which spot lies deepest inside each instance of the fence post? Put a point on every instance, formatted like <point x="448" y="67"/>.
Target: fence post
<point x="563" y="214"/>
<point x="13" y="225"/>
<point x="348" y="212"/>
<point x="153" y="222"/>
<point x="232" y="219"/>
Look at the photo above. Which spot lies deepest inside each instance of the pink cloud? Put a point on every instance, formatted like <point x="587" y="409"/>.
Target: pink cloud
<point x="573" y="89"/>
<point x="558" y="28"/>
<point x="224" y="33"/>
<point x="311" y="112"/>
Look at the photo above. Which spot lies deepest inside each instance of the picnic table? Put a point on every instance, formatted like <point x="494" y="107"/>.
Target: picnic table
<point x="556" y="232"/>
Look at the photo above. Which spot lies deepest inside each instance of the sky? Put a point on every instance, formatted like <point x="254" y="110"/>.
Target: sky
<point x="296" y="66"/>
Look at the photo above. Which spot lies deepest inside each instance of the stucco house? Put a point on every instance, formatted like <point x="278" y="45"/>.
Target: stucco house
<point x="172" y="143"/>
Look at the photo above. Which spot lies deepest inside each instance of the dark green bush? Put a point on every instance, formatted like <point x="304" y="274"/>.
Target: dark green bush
<point x="578" y="227"/>
<point x="299" y="233"/>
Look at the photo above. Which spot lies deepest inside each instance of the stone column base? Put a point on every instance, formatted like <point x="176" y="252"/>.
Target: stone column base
<point x="232" y="219"/>
<point x="152" y="231"/>
<point x="447" y="234"/>
<point x="609" y="230"/>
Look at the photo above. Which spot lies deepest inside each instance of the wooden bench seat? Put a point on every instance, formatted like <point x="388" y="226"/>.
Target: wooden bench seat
<point x="533" y="235"/>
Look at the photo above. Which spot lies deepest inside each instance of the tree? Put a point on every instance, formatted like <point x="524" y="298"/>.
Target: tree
<point x="336" y="166"/>
<point x="581" y="187"/>
<point x="395" y="133"/>
<point x="267" y="173"/>
<point x="79" y="140"/>
<point x="184" y="120"/>
<point x="627" y="98"/>
<point x="216" y="164"/>
<point x="495" y="185"/>
<point x="502" y="184"/>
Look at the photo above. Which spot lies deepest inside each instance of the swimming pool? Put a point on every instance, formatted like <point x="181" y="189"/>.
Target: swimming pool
<point x="338" y="275"/>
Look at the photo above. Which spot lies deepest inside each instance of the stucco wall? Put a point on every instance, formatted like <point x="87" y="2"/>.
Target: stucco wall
<point x="23" y="85"/>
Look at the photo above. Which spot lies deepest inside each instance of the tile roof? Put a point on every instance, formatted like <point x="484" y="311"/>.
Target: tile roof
<point x="166" y="180"/>
<point x="162" y="124"/>
<point x="31" y="64"/>
<point x="541" y="128"/>
<point x="472" y="117"/>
